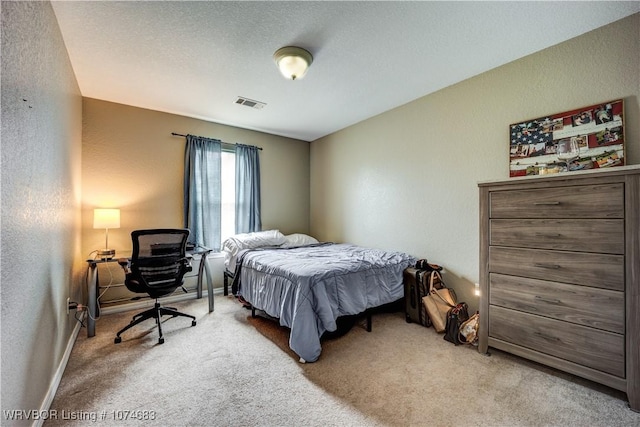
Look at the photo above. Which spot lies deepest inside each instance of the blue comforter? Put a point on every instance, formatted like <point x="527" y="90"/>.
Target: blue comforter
<point x="307" y="288"/>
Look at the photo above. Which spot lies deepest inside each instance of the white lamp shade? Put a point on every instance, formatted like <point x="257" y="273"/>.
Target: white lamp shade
<point x="106" y="218"/>
<point x="293" y="62"/>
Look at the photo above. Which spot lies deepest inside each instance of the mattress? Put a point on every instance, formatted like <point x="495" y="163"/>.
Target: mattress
<point x="307" y="288"/>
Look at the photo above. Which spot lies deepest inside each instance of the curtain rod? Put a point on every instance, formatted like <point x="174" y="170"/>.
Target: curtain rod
<point x="230" y="143"/>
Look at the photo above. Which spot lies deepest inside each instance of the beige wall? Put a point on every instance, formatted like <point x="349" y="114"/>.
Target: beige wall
<point x="130" y="160"/>
<point x="41" y="155"/>
<point x="407" y="179"/>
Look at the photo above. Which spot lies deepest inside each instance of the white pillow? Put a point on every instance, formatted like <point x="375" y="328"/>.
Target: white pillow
<point x="298" y="239"/>
<point x="257" y="239"/>
<point x="234" y="244"/>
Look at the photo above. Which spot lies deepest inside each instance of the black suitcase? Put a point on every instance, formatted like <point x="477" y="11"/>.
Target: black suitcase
<point x="416" y="286"/>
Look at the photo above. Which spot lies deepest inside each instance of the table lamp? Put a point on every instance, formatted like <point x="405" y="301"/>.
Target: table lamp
<point x="106" y="218"/>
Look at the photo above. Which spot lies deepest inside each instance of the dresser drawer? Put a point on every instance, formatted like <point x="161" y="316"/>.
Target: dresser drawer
<point x="584" y="201"/>
<point x="600" y="350"/>
<point x="589" y="269"/>
<point x="598" y="308"/>
<point x="589" y="235"/>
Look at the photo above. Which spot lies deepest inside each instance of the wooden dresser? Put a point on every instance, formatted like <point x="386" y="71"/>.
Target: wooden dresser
<point x="560" y="273"/>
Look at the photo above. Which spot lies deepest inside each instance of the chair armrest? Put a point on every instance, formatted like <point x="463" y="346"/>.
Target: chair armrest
<point x="125" y="264"/>
<point x="187" y="263"/>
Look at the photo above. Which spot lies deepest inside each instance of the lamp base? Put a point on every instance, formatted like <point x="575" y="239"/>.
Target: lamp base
<point x="106" y="253"/>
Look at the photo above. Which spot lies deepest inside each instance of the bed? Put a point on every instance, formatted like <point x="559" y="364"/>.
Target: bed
<point x="308" y="285"/>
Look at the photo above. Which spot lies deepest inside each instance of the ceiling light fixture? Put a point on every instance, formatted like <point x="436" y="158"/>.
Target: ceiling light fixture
<point x="293" y="61"/>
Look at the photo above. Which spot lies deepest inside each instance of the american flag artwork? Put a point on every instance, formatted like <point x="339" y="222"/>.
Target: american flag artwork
<point x="533" y="132"/>
<point x="596" y="130"/>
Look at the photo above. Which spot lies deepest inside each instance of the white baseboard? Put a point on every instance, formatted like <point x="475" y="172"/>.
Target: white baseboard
<point x="55" y="382"/>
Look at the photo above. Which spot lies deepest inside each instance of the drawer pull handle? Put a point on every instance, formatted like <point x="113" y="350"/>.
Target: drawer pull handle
<point x="546" y="203"/>
<point x="551" y="266"/>
<point x="548" y="300"/>
<point x="547" y="337"/>
<point x="554" y="235"/>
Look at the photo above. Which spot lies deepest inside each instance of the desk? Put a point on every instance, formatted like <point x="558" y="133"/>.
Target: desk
<point x="93" y="310"/>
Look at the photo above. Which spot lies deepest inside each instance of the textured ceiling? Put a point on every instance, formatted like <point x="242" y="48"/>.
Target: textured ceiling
<point x="195" y="58"/>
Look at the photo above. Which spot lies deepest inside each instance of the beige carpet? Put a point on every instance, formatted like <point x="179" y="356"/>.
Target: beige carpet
<point x="232" y="370"/>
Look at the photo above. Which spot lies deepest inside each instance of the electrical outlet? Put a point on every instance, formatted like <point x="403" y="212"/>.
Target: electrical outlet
<point x="68" y="301"/>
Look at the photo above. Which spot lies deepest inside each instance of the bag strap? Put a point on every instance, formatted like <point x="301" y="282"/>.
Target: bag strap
<point x="432" y="291"/>
<point x="431" y="281"/>
<point x="432" y="276"/>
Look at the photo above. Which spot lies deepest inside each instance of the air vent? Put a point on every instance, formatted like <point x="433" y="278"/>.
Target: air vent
<point x="250" y="103"/>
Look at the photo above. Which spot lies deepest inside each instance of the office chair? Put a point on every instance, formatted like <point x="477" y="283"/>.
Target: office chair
<point x="157" y="267"/>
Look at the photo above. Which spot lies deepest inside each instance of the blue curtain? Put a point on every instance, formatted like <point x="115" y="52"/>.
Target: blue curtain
<point x="202" y="191"/>
<point x="247" y="189"/>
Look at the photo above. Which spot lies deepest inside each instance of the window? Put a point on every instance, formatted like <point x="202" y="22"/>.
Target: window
<point x="228" y="211"/>
<point x="214" y="207"/>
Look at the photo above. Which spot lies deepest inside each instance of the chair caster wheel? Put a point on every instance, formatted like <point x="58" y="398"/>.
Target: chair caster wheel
<point x="161" y="341"/>
<point x="193" y="323"/>
<point x="117" y="340"/>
